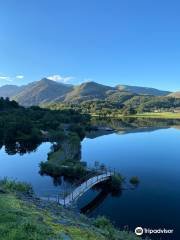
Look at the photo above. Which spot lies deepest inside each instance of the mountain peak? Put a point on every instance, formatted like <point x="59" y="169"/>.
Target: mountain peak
<point x="47" y="90"/>
<point x="46" y="80"/>
<point x="43" y="91"/>
<point x="95" y="84"/>
<point x="89" y="83"/>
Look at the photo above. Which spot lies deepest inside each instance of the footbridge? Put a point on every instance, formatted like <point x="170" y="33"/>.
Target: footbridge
<point x="84" y="187"/>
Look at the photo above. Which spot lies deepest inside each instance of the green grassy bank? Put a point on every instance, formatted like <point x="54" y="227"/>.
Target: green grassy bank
<point x="23" y="216"/>
<point x="162" y="115"/>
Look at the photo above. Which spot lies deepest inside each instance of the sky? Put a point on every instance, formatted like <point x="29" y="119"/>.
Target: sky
<point x="134" y="42"/>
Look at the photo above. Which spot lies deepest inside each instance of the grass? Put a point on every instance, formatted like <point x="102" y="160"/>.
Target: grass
<point x="105" y="224"/>
<point x="162" y="115"/>
<point x="64" y="160"/>
<point x="14" y="186"/>
<point x="55" y="156"/>
<point x="18" y="221"/>
<point x="22" y="219"/>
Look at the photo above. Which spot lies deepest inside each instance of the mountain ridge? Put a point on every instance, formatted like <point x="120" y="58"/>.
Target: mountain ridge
<point x="143" y="90"/>
<point x="46" y="91"/>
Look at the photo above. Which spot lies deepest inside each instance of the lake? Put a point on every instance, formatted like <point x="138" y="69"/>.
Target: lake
<point x="26" y="168"/>
<point x="153" y="156"/>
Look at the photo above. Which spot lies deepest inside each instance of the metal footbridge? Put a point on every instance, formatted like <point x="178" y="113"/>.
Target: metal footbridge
<point x="84" y="187"/>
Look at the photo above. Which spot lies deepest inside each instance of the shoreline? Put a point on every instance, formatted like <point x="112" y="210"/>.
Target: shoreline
<point x="35" y="218"/>
<point x="164" y="115"/>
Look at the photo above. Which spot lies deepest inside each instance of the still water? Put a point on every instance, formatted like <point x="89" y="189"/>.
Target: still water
<point x="26" y="168"/>
<point x="153" y="156"/>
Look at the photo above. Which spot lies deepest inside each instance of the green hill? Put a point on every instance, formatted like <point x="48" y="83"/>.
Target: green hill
<point x="89" y="91"/>
<point x="175" y="94"/>
<point x="142" y="90"/>
<point x="42" y="91"/>
<point x="48" y="91"/>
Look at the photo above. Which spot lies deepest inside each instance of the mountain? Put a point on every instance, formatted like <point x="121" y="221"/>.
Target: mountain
<point x="89" y="91"/>
<point x="175" y="94"/>
<point x="142" y="90"/>
<point x="42" y="91"/>
<point x="9" y="90"/>
<point x="46" y="91"/>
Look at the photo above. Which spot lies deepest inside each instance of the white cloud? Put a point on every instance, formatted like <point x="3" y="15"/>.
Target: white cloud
<point x="4" y="78"/>
<point x="58" y="78"/>
<point x="19" y="76"/>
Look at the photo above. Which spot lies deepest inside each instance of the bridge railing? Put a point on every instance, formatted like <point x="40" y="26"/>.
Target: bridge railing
<point x="93" y="172"/>
<point x="68" y="192"/>
<point x="99" y="172"/>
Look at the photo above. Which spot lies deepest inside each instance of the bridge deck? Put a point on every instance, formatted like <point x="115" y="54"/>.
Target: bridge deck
<point x="85" y="186"/>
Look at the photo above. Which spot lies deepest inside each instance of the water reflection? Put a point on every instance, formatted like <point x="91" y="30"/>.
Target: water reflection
<point x="97" y="201"/>
<point x="149" y="153"/>
<point x="20" y="147"/>
<point x="120" y="126"/>
<point x="135" y="123"/>
<point x="100" y="125"/>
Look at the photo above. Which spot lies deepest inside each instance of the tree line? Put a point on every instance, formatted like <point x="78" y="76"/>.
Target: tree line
<point x="19" y="125"/>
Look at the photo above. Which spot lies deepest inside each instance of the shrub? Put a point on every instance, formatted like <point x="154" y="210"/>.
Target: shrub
<point x="102" y="222"/>
<point x="14" y="186"/>
<point x="134" y="180"/>
<point x="50" y="169"/>
<point x="116" y="181"/>
<point x="66" y="168"/>
<point x="105" y="224"/>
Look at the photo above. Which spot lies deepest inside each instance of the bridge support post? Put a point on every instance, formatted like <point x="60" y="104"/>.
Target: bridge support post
<point x="64" y="198"/>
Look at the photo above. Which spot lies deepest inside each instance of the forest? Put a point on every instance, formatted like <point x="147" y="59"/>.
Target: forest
<point x="126" y="105"/>
<point x="34" y="124"/>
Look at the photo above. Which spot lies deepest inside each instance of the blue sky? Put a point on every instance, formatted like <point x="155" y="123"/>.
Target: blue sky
<point x="134" y="42"/>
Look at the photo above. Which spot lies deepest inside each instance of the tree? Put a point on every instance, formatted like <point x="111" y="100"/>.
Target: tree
<point x="128" y="111"/>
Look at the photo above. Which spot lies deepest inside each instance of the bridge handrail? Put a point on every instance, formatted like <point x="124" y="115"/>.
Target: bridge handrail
<point x="94" y="172"/>
<point x="72" y="196"/>
<point x="71" y="192"/>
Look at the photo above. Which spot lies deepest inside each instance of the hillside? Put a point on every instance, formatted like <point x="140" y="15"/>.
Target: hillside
<point x="142" y="90"/>
<point x="89" y="91"/>
<point x="42" y="91"/>
<point x="175" y="94"/>
<point x="48" y="91"/>
<point x="9" y="90"/>
<point x="24" y="216"/>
